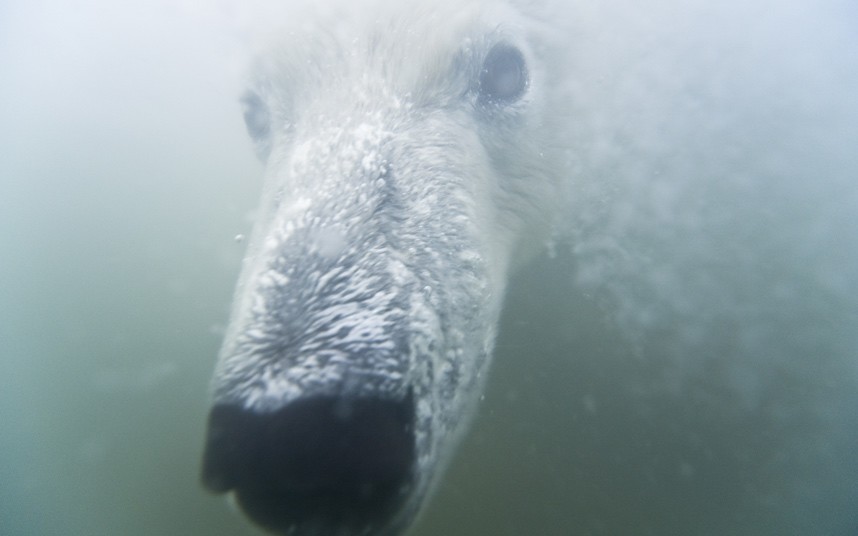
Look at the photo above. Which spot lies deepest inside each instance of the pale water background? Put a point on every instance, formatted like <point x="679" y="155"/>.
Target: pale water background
<point x="125" y="175"/>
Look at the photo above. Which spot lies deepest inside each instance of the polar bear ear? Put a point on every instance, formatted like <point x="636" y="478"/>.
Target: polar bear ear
<point x="257" y="119"/>
<point x="503" y="77"/>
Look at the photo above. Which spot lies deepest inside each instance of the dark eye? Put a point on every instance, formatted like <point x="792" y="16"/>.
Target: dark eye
<point x="503" y="78"/>
<point x="257" y="119"/>
<point x="256" y="116"/>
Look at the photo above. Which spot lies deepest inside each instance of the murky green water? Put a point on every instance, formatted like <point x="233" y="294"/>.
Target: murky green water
<point x="119" y="200"/>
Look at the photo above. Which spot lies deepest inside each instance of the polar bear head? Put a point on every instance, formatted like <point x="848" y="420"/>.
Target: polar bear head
<point x="412" y="158"/>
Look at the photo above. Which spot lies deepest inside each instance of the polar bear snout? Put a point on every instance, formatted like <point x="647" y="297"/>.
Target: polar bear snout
<point x="317" y="463"/>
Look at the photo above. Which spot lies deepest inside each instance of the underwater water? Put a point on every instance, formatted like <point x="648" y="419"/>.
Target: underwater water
<point x="704" y="391"/>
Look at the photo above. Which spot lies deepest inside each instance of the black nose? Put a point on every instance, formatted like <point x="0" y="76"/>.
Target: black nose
<point x="324" y="465"/>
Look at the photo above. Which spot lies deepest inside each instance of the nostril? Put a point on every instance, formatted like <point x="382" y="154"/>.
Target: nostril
<point x="337" y="445"/>
<point x="324" y="460"/>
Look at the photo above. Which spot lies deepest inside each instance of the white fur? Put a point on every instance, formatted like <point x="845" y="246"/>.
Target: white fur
<point x="696" y="157"/>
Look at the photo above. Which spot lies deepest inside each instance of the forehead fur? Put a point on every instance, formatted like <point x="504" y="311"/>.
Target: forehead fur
<point x="410" y="46"/>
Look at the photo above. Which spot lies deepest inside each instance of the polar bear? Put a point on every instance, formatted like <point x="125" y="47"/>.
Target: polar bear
<point x="404" y="182"/>
<point x="418" y="153"/>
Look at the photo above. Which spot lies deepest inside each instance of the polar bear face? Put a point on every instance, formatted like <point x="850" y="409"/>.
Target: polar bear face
<point x="409" y="166"/>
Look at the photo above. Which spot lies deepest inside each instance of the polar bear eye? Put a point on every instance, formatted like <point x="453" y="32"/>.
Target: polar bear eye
<point x="256" y="116"/>
<point x="503" y="78"/>
<point x="257" y="119"/>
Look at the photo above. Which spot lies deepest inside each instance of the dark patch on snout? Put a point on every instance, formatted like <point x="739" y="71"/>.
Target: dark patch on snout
<point x="323" y="465"/>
